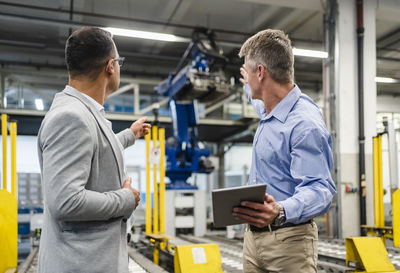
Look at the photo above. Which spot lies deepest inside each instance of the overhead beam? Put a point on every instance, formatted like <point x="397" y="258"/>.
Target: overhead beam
<point x="32" y="88"/>
<point x="220" y="103"/>
<point x="60" y="73"/>
<point x="298" y="4"/>
<point x="152" y="106"/>
<point x="127" y="117"/>
<point x="123" y="89"/>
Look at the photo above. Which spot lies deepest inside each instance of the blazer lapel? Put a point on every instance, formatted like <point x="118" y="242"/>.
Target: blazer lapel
<point x="109" y="134"/>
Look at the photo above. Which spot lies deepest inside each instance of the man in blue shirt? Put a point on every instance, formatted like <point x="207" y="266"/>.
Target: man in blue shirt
<point x="292" y="154"/>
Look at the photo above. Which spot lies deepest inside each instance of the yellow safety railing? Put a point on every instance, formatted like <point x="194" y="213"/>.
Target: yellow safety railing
<point x="162" y="183"/>
<point x="155" y="220"/>
<point x="148" y="196"/>
<point x="8" y="203"/>
<point x="379" y="229"/>
<point x="378" y="182"/>
<point x="155" y="185"/>
<point x="13" y="136"/>
<point x="396" y="218"/>
<point x="4" y="135"/>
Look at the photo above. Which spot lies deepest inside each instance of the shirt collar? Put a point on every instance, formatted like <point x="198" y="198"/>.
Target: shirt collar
<point x="98" y="106"/>
<point x="282" y="110"/>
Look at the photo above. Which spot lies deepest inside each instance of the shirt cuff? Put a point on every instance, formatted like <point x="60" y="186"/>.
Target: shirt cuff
<point x="291" y="207"/>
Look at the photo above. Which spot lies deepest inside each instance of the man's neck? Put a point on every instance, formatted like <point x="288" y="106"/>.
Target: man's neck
<point x="274" y="93"/>
<point x="94" y="89"/>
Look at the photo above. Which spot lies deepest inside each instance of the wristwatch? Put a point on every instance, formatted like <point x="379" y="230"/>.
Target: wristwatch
<point x="281" y="218"/>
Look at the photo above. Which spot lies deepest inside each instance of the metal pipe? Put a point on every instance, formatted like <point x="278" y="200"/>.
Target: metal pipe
<point x="148" y="193"/>
<point x="13" y="137"/>
<point x="136" y="99"/>
<point x="361" y="136"/>
<point x="4" y="135"/>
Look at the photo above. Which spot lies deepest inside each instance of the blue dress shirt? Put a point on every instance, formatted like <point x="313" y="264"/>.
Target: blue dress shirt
<point x="292" y="154"/>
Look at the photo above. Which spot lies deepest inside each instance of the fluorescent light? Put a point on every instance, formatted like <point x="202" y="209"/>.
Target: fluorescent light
<point x="310" y="53"/>
<point x="39" y="104"/>
<point x="386" y="80"/>
<point x="145" y="35"/>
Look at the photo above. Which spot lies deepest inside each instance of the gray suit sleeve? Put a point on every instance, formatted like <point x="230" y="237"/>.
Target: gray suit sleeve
<point x="126" y="137"/>
<point x="67" y="149"/>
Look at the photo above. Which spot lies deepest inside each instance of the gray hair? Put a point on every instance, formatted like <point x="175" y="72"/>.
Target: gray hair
<point x="272" y="49"/>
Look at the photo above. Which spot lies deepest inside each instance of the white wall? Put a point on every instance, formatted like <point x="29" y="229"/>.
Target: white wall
<point x="388" y="104"/>
<point x="27" y="159"/>
<point x="237" y="157"/>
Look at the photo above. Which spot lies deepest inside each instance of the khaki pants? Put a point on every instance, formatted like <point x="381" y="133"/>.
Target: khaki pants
<point x="286" y="250"/>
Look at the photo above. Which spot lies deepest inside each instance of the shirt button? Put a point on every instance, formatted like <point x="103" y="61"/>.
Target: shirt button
<point x="254" y="181"/>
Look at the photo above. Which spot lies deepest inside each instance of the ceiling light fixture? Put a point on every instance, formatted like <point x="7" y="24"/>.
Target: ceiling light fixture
<point x="386" y="80"/>
<point x="39" y="104"/>
<point x="310" y="53"/>
<point x="145" y="35"/>
<point x="173" y="38"/>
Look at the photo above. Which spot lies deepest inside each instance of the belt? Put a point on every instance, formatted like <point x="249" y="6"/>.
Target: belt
<point x="273" y="228"/>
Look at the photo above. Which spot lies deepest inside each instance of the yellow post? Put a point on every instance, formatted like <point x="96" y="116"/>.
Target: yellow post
<point x="378" y="182"/>
<point x="396" y="218"/>
<point x="4" y="134"/>
<point x="8" y="205"/>
<point x="155" y="194"/>
<point x="148" y="181"/>
<point x="162" y="183"/>
<point x="13" y="136"/>
<point x="155" y="197"/>
<point x="8" y="231"/>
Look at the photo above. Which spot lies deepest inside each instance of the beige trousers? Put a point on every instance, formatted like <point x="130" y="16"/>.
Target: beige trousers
<point x="286" y="250"/>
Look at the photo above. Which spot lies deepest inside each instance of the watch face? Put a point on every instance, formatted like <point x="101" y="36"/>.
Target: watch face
<point x="280" y="220"/>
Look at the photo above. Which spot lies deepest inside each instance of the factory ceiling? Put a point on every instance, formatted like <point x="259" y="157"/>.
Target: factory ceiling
<point x="33" y="35"/>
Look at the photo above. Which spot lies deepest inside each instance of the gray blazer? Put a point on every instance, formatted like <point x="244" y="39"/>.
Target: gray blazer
<point x="85" y="208"/>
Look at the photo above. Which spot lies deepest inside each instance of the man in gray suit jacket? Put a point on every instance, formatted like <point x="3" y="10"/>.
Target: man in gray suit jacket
<point x="87" y="196"/>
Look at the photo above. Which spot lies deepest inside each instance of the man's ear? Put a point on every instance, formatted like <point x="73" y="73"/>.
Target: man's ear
<point x="261" y="72"/>
<point x="110" y="67"/>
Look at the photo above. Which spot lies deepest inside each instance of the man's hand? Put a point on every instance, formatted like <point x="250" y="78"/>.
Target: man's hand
<point x="140" y="128"/>
<point x="256" y="214"/>
<point x="245" y="77"/>
<point x="136" y="193"/>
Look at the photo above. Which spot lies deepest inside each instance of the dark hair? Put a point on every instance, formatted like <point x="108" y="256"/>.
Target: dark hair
<point x="87" y="51"/>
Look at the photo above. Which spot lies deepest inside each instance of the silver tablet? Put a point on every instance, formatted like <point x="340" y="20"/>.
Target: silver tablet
<point x="224" y="200"/>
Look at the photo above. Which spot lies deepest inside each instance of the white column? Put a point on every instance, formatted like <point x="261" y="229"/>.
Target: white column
<point x="370" y="99"/>
<point x="348" y="109"/>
